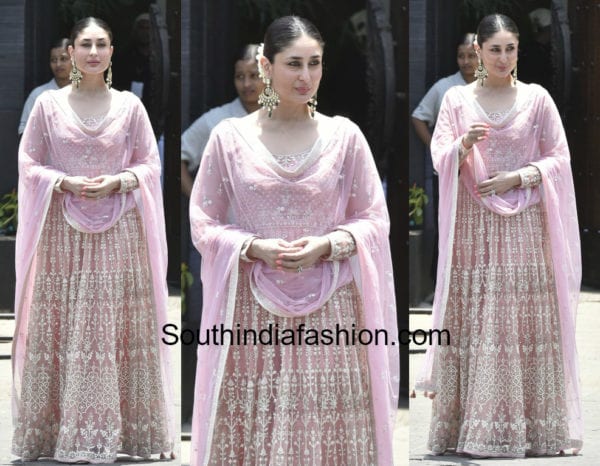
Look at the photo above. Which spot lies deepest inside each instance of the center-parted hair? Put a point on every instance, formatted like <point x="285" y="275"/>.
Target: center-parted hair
<point x="285" y="30"/>
<point x="491" y="24"/>
<point x="89" y="21"/>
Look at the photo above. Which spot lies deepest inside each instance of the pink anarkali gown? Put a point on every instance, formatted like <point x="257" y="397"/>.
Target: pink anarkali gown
<point x="297" y="404"/>
<point x="508" y="281"/>
<point x="90" y="379"/>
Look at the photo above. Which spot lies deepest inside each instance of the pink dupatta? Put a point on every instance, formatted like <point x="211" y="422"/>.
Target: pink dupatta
<point x="55" y="144"/>
<point x="534" y="126"/>
<point x="337" y="187"/>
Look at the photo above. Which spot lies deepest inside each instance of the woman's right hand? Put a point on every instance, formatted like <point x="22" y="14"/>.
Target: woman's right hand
<point x="76" y="184"/>
<point x="268" y="250"/>
<point x="477" y="132"/>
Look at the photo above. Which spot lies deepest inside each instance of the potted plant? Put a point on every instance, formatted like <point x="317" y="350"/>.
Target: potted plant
<point x="8" y="213"/>
<point x="187" y="279"/>
<point x="8" y="229"/>
<point x="417" y="200"/>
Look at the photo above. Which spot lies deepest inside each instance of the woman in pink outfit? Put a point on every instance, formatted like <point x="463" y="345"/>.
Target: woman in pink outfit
<point x="509" y="268"/>
<point x="89" y="377"/>
<point x="289" y="215"/>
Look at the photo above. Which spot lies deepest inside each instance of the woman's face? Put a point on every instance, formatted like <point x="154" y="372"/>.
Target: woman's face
<point x="60" y="63"/>
<point x="499" y="54"/>
<point x="466" y="58"/>
<point x="296" y="71"/>
<point x="247" y="82"/>
<point x="92" y="50"/>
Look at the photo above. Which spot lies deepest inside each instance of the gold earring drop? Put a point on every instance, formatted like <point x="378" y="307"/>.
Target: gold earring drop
<point x="312" y="105"/>
<point x="268" y="98"/>
<point x="481" y="73"/>
<point x="109" y="75"/>
<point x="75" y="75"/>
<point x="514" y="75"/>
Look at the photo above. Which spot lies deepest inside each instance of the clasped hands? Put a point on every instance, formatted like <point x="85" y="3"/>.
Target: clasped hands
<point x="290" y="256"/>
<point x="499" y="182"/>
<point x="91" y="188"/>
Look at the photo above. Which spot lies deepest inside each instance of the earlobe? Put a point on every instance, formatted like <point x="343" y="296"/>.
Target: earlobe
<point x="266" y="66"/>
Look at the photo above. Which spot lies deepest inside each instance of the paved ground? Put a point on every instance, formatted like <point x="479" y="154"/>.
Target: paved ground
<point x="6" y="329"/>
<point x="588" y="344"/>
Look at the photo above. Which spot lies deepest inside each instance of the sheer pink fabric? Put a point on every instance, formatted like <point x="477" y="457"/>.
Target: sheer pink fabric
<point x="531" y="133"/>
<point x="241" y="191"/>
<point x="55" y="144"/>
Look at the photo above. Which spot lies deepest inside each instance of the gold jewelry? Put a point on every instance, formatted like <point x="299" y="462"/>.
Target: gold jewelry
<point x="312" y="105"/>
<point x="109" y="75"/>
<point x="514" y="75"/>
<point x="75" y="75"/>
<point x="481" y="73"/>
<point x="268" y="98"/>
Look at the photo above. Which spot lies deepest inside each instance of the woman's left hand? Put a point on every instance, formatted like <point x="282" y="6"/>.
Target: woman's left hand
<point x="313" y="248"/>
<point x="499" y="183"/>
<point x="102" y="186"/>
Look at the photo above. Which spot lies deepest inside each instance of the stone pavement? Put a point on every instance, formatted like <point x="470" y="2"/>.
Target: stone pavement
<point x="7" y="328"/>
<point x="588" y="345"/>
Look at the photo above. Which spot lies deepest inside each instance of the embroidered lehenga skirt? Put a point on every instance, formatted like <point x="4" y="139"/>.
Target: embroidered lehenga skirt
<point x="298" y="404"/>
<point x="91" y="384"/>
<point x="501" y="389"/>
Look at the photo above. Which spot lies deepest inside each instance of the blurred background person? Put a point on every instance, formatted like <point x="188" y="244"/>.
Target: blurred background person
<point x="425" y="115"/>
<point x="60" y="64"/>
<point x="248" y="86"/>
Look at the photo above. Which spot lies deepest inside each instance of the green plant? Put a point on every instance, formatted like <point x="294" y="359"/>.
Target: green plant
<point x="186" y="281"/>
<point x="417" y="200"/>
<point x="8" y="212"/>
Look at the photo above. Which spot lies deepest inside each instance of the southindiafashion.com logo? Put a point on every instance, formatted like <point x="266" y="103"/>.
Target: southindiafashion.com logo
<point x="271" y="335"/>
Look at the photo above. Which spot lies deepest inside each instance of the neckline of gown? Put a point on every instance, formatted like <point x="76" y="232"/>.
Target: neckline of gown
<point x="506" y="117"/>
<point x="253" y="141"/>
<point x="117" y="100"/>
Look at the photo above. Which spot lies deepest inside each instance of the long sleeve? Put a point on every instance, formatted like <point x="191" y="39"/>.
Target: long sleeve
<point x="342" y="245"/>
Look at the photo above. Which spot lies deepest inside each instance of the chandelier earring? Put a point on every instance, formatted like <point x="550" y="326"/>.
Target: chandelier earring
<point x="109" y="75"/>
<point x="268" y="98"/>
<point x="75" y="75"/>
<point x="312" y="106"/>
<point x="514" y="75"/>
<point x="481" y="73"/>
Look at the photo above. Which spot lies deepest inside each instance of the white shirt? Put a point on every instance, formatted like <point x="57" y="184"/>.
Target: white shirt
<point x="429" y="107"/>
<point x="194" y="139"/>
<point x="31" y="100"/>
